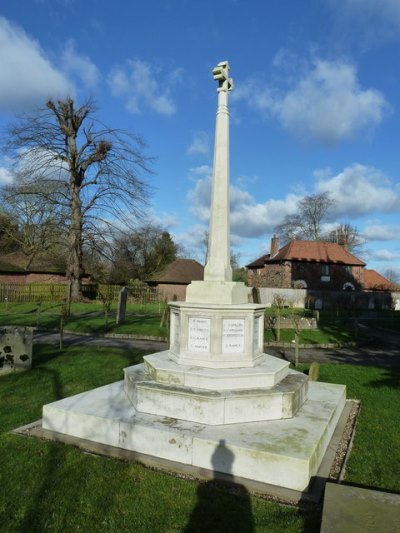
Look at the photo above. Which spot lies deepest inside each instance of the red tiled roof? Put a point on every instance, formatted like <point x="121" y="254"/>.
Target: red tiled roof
<point x="375" y="281"/>
<point x="316" y="251"/>
<point x="310" y="252"/>
<point x="259" y="263"/>
<point x="180" y="271"/>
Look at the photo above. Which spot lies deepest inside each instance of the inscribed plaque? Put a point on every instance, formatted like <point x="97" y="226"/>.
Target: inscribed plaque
<point x="199" y="334"/>
<point x="233" y="335"/>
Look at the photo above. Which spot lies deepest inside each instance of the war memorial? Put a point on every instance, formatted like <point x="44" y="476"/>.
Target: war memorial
<point x="214" y="389"/>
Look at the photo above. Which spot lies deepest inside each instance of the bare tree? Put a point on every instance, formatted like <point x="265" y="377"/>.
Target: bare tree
<point x="73" y="162"/>
<point x="392" y="275"/>
<point x="37" y="226"/>
<point x="306" y="224"/>
<point x="347" y="236"/>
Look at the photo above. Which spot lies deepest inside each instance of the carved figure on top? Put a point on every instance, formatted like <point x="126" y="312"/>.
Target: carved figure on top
<point x="221" y="74"/>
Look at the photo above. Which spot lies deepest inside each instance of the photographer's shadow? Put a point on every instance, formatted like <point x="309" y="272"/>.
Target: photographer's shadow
<point x="223" y="505"/>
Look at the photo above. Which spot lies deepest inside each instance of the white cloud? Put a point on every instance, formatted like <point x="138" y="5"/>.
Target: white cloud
<point x="5" y="176"/>
<point x="325" y="103"/>
<point x="248" y="217"/>
<point x="141" y="85"/>
<point x="359" y="190"/>
<point x="380" y="232"/>
<point x="385" y="255"/>
<point x="28" y="76"/>
<point x="200" y="144"/>
<point x="80" y="65"/>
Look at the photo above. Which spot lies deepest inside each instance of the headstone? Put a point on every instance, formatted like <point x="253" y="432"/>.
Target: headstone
<point x="15" y="349"/>
<point x="121" y="309"/>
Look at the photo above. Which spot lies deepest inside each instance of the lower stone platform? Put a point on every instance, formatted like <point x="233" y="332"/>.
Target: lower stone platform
<point x="285" y="453"/>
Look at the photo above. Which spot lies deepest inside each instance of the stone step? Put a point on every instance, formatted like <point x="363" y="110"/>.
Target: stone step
<point x="162" y="369"/>
<point x="215" y="407"/>
<point x="286" y="453"/>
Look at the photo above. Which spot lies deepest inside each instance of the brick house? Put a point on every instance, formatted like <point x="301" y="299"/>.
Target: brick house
<point x="172" y="281"/>
<point x="40" y="271"/>
<point x="311" y="265"/>
<point x="373" y="281"/>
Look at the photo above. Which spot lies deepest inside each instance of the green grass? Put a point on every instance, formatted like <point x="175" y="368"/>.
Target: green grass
<point x="50" y="487"/>
<point x="47" y="486"/>
<point x="141" y="319"/>
<point x="375" y="457"/>
<point x="312" y="336"/>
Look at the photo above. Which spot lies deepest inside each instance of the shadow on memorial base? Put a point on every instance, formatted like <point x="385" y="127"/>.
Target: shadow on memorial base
<point x="222" y="504"/>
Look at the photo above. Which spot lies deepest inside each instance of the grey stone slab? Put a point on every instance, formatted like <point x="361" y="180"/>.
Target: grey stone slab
<point x="285" y="452"/>
<point x="349" y="509"/>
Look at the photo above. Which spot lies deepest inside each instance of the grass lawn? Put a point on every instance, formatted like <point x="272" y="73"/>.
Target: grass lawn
<point x="143" y="319"/>
<point x="313" y="336"/>
<point x="51" y="487"/>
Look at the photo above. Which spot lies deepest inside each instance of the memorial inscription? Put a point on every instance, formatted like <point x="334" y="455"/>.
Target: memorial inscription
<point x="232" y="335"/>
<point x="199" y="334"/>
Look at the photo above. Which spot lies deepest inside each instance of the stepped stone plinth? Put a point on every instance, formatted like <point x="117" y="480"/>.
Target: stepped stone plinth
<point x="216" y="407"/>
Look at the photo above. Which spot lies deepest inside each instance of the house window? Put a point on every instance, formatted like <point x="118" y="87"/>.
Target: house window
<point x="325" y="270"/>
<point x="348" y="270"/>
<point x="325" y="273"/>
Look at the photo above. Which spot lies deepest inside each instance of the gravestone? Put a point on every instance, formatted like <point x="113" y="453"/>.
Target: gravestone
<point x="121" y="308"/>
<point x="15" y="349"/>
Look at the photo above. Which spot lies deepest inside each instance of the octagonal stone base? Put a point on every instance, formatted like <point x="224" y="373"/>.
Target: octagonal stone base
<point x="214" y="407"/>
<point x="217" y="335"/>
<point x="163" y="370"/>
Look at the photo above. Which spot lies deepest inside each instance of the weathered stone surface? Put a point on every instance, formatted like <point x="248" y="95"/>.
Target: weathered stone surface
<point x="160" y="368"/>
<point x="216" y="335"/>
<point x="215" y="407"/>
<point x="284" y="452"/>
<point x="356" y="510"/>
<point x="15" y="349"/>
<point x="121" y="307"/>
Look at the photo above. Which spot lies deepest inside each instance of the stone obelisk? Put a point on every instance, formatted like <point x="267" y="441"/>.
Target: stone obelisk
<point x="217" y="286"/>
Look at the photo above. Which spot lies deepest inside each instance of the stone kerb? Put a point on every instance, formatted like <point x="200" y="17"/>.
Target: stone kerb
<point x="217" y="336"/>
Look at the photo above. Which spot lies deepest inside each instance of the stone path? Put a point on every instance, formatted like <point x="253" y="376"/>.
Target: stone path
<point x="383" y="350"/>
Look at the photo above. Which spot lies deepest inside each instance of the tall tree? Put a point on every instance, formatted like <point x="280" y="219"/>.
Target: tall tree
<point x="141" y="253"/>
<point x="65" y="156"/>
<point x="307" y="222"/>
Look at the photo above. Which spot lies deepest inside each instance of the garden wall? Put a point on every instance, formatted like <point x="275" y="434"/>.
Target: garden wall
<point x="313" y="299"/>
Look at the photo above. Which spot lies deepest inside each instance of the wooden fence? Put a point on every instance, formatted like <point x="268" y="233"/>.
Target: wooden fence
<point x="57" y="292"/>
<point x="33" y="292"/>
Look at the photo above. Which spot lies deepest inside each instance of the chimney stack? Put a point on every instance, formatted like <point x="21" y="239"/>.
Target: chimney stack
<point x="274" y="246"/>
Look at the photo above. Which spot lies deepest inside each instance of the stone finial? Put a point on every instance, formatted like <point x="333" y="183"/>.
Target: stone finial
<point x="221" y="74"/>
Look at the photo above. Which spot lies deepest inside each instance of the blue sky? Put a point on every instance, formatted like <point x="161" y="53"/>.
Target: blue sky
<point x="315" y="106"/>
